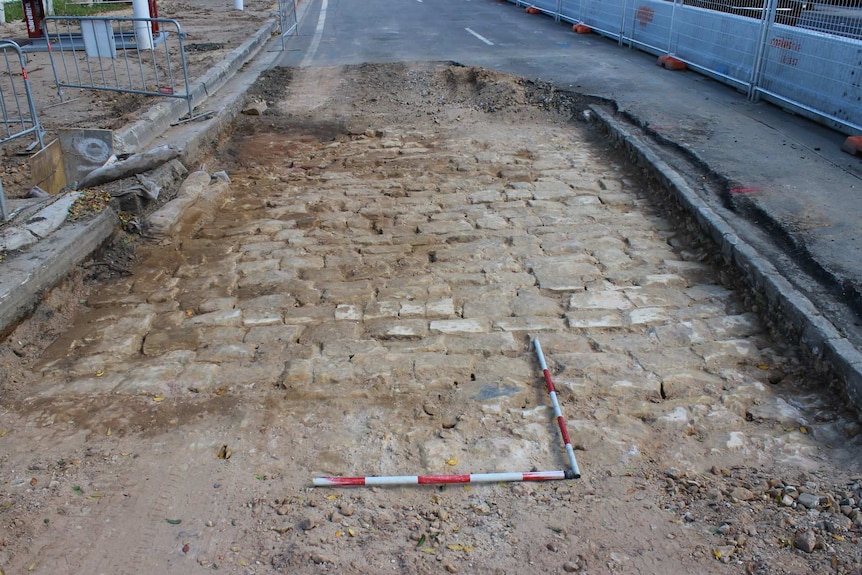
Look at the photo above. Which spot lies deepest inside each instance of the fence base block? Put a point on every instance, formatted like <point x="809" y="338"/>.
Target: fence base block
<point x="582" y="29"/>
<point x="670" y="63"/>
<point x="853" y="146"/>
<point x="533" y="10"/>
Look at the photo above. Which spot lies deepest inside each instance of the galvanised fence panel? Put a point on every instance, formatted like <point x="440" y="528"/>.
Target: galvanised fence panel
<point x="17" y="105"/>
<point x="806" y="55"/>
<point x="549" y="7"/>
<point x="570" y="11"/>
<point x="605" y="16"/>
<point x="287" y="19"/>
<point x="648" y="25"/>
<point x="119" y="54"/>
<point x="720" y="43"/>
<point x="818" y="74"/>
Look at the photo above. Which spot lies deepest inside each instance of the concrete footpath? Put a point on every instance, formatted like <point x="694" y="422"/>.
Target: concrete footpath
<point x="773" y="190"/>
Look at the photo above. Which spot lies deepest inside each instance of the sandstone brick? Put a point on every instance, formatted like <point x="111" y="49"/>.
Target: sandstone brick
<point x="160" y="342"/>
<point x="296" y="372"/>
<point x="528" y="323"/>
<point x="224" y="353"/>
<point x="382" y="309"/>
<point x="647" y="316"/>
<point x="216" y="304"/>
<point x="561" y="274"/>
<point x="459" y="326"/>
<point x="227" y="317"/>
<point x="273" y="333"/>
<point x="591" y="318"/>
<point x="599" y="300"/>
<point x="398" y="329"/>
<point x="252" y="318"/>
<point x="734" y="326"/>
<point x="348" y="312"/>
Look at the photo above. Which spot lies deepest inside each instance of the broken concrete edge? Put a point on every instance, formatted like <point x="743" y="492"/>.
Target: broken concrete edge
<point x="819" y="336"/>
<point x="27" y="275"/>
<point x="159" y="117"/>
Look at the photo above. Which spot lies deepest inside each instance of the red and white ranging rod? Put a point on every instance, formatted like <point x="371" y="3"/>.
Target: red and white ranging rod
<point x="572" y="473"/>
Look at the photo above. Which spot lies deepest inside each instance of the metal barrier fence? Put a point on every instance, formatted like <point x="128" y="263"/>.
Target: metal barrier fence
<point x="16" y="100"/>
<point x="805" y="56"/>
<point x="119" y="54"/>
<point x="287" y="19"/>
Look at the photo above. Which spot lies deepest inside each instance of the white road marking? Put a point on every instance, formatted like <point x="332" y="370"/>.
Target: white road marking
<point x="480" y="37"/>
<point x="318" y="34"/>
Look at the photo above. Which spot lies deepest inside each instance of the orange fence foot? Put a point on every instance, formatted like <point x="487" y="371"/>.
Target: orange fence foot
<point x="670" y="63"/>
<point x="853" y="145"/>
<point x="582" y="29"/>
<point x="533" y="10"/>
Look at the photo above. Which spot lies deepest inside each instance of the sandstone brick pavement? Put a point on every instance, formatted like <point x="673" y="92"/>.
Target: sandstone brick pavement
<point x="416" y="260"/>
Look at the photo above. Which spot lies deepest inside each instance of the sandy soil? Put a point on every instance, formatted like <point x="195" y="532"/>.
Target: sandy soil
<point x="219" y="479"/>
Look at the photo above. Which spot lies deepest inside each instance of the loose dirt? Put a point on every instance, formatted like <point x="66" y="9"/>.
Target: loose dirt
<point x="371" y="175"/>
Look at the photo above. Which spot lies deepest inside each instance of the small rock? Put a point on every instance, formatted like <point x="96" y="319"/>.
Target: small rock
<point x="571" y="566"/>
<point x="808" y="500"/>
<point x="383" y="517"/>
<point x="346" y="509"/>
<point x="806" y="541"/>
<point x="319" y="558"/>
<point x="307" y="524"/>
<point x="443" y="515"/>
<point x="742" y="494"/>
<point x="255" y="108"/>
<point x="283" y="510"/>
<point x="787" y="501"/>
<point x="551" y="547"/>
<point x="451" y="568"/>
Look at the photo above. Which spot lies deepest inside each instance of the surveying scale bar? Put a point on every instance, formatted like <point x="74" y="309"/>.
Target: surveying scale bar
<point x="443" y="479"/>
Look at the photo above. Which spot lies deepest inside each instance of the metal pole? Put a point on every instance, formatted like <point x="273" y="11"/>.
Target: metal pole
<point x="143" y="32"/>
<point x="3" y="213"/>
<point x="557" y="411"/>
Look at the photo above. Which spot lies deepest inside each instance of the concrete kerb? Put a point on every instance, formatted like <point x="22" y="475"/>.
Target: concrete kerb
<point x="49" y="261"/>
<point x="820" y="337"/>
<point x="160" y="116"/>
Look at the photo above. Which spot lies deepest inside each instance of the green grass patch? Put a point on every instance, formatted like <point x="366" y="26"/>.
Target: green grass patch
<point x="15" y="10"/>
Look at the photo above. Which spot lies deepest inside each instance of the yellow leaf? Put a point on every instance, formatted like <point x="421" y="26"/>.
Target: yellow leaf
<point x="351" y="532"/>
<point x="100" y="373"/>
<point x="716" y="553"/>
<point x="243" y="563"/>
<point x="331" y="497"/>
<point x="108" y="433"/>
<point x="125" y="454"/>
<point x="838" y="537"/>
<point x="452" y="462"/>
<point x="459" y="547"/>
<point x="3" y="432"/>
<point x="95" y="496"/>
<point x="31" y="566"/>
<point x="762" y="366"/>
<point x="158" y="399"/>
<point x="339" y="533"/>
<point x="189" y="313"/>
<point x="429" y="550"/>
<point x="803" y="429"/>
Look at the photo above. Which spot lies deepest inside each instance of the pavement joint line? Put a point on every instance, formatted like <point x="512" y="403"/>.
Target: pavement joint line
<point x="823" y="340"/>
